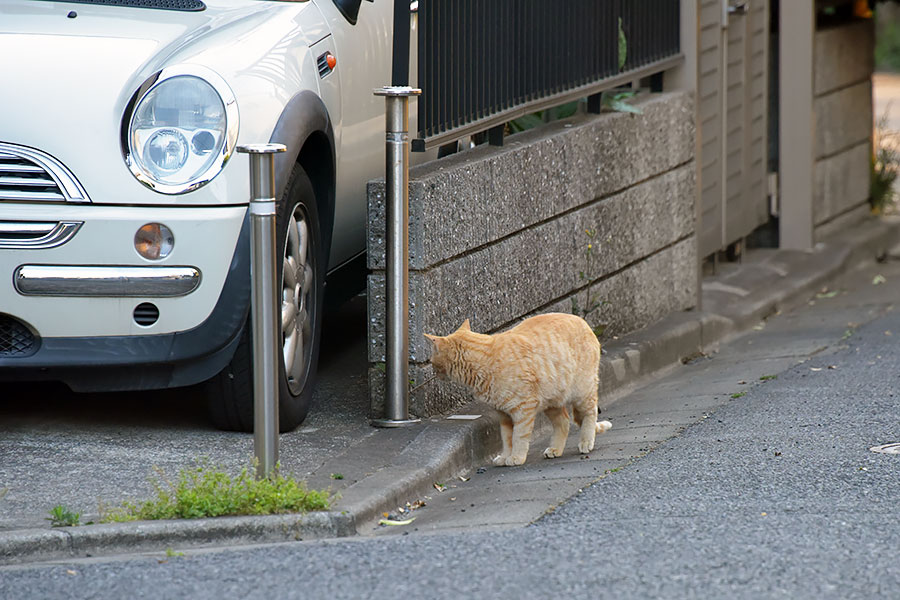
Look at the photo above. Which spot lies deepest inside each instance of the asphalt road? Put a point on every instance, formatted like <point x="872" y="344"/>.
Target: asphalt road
<point x="774" y="495"/>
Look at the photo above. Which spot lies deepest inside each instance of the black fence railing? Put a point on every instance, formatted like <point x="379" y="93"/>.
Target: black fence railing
<point x="482" y="62"/>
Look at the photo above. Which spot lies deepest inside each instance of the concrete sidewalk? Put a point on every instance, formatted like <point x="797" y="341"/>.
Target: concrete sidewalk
<point x="67" y="453"/>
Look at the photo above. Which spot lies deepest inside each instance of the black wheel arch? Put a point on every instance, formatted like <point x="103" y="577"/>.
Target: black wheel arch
<point x="305" y="128"/>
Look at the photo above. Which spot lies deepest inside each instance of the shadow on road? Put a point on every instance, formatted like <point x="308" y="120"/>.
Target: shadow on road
<point x="53" y="403"/>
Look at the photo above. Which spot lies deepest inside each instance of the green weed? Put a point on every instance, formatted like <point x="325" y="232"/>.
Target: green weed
<point x="884" y="167"/>
<point x="737" y="395"/>
<point x="204" y="491"/>
<point x="768" y="377"/>
<point x="60" y="516"/>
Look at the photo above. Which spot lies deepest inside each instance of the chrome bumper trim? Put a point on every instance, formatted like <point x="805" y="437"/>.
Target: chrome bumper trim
<point x="18" y="235"/>
<point x="108" y="281"/>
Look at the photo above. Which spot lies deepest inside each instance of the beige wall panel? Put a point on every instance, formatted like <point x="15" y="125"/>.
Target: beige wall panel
<point x="843" y="118"/>
<point x="844" y="55"/>
<point x="842" y="183"/>
<point x="710" y="126"/>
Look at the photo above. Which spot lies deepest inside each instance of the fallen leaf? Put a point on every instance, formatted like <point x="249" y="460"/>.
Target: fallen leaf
<point x="385" y="515"/>
<point x="888" y="333"/>
<point x="416" y="504"/>
<point x="815" y="368"/>
<point x="878" y="279"/>
<point x="391" y="522"/>
<point x="762" y="514"/>
<point x="830" y="294"/>
<point x="71" y="572"/>
<point x="452" y="499"/>
<point x="439" y="486"/>
<point x="742" y="382"/>
<point x="461" y="478"/>
<point x="832" y="366"/>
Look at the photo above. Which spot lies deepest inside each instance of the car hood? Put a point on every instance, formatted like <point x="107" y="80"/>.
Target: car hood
<point x="67" y="79"/>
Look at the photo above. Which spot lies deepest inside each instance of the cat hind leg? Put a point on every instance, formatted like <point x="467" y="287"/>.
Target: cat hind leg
<point x="586" y="416"/>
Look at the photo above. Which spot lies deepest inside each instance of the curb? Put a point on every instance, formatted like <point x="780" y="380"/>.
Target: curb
<point x="411" y="461"/>
<point x="29" y="545"/>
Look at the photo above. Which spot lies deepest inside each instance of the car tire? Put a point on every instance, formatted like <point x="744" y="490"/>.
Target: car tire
<point x="299" y="240"/>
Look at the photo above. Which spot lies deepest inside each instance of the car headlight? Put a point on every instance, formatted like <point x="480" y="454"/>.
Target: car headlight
<point x="180" y="129"/>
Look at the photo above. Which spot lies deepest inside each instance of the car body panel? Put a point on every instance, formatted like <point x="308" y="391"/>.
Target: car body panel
<point x="68" y="85"/>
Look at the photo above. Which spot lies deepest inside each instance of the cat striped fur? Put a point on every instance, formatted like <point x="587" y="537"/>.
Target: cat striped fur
<point x="548" y="363"/>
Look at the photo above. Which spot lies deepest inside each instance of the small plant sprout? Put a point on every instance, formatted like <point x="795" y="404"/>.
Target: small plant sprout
<point x="768" y="377"/>
<point x="337" y="476"/>
<point x="737" y="395"/>
<point x="592" y="303"/>
<point x="60" y="516"/>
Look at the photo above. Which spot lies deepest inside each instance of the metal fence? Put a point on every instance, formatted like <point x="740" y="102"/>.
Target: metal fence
<point x="484" y="62"/>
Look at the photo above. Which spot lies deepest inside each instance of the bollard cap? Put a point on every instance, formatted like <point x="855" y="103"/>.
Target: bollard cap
<point x="397" y="90"/>
<point x="261" y="148"/>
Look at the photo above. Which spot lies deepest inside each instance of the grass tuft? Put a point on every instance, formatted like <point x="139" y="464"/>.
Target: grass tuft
<point x="60" y="516"/>
<point x="204" y="491"/>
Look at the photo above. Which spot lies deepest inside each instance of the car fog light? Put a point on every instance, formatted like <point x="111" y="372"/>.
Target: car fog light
<point x="154" y="241"/>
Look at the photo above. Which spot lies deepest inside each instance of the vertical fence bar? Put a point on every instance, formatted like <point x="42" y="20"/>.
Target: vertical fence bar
<point x="265" y="318"/>
<point x="397" y="284"/>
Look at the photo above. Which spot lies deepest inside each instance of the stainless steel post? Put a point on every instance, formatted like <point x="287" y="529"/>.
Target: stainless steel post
<point x="265" y="318"/>
<point x="396" y="403"/>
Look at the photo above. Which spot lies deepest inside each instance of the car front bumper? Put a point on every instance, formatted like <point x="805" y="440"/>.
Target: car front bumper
<point x="92" y="339"/>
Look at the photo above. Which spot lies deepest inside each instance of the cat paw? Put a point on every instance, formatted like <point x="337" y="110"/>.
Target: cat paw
<point x="512" y="461"/>
<point x="552" y="453"/>
<point x="585" y="447"/>
<point x="500" y="460"/>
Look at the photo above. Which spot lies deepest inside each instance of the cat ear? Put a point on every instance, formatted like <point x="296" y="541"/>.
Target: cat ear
<point x="465" y="326"/>
<point x="434" y="339"/>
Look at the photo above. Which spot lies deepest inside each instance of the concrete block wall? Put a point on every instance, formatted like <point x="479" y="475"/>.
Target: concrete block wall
<point x="843" y="66"/>
<point x="596" y="210"/>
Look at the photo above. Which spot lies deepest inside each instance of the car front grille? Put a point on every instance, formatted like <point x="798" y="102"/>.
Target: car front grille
<point x="16" y="340"/>
<point x="185" y="5"/>
<point x="29" y="175"/>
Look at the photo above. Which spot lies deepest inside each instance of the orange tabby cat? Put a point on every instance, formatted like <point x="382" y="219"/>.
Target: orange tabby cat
<point x="545" y="363"/>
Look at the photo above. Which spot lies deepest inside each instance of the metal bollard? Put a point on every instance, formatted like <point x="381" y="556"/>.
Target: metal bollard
<point x="265" y="318"/>
<point x="397" y="200"/>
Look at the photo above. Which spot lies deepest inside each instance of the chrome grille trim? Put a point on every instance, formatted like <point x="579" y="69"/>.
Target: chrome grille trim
<point x="28" y="175"/>
<point x="19" y="235"/>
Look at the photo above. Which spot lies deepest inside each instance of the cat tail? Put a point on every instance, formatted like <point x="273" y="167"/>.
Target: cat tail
<point x="602" y="426"/>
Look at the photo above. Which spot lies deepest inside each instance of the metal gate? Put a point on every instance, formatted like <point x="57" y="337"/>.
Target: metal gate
<point x="733" y="97"/>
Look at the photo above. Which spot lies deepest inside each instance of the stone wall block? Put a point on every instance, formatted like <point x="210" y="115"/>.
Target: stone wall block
<point x="843" y="118"/>
<point x="844" y="55"/>
<point x="624" y="149"/>
<point x="377" y="314"/>
<point x="428" y="395"/>
<point x="841" y="182"/>
<point x="647" y="291"/>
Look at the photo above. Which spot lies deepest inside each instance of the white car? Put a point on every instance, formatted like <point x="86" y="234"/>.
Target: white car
<point x="124" y="241"/>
